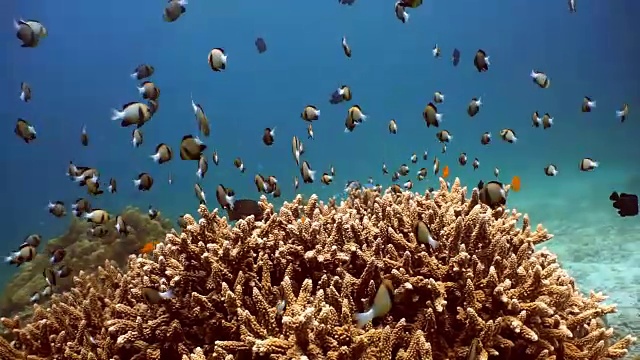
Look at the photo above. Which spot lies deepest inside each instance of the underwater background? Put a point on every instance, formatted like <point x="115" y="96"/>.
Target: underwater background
<point x="81" y="71"/>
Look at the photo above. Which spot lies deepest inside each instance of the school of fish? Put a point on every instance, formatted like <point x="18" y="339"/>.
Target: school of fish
<point x="192" y="147"/>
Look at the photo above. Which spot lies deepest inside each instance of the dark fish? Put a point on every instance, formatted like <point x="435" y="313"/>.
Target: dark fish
<point x="25" y="131"/>
<point x="627" y="204"/>
<point x="191" y="148"/>
<point x="455" y="57"/>
<point x="32" y="240"/>
<point x="173" y="10"/>
<point x="143" y="71"/>
<point x="243" y="208"/>
<point x="84" y="137"/>
<point x="492" y="194"/>
<point x="346" y="2"/>
<point x="144" y="182"/>
<point x="261" y="45"/>
<point x="57" y="255"/>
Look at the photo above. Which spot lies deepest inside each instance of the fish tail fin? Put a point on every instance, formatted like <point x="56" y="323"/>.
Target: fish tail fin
<point x="23" y="95"/>
<point x="134" y="75"/>
<point x="363" y="318"/>
<point x="116" y="115"/>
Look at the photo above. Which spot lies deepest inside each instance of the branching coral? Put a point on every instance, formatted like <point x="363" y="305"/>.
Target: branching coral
<point x="289" y="286"/>
<point x="82" y="252"/>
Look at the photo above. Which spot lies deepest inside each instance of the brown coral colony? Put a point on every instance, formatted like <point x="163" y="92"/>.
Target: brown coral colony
<point x="292" y="286"/>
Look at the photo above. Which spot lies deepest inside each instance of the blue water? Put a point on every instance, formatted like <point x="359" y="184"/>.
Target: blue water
<point x="81" y="71"/>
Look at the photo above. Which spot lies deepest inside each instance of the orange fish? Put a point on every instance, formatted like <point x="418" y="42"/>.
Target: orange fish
<point x="515" y="183"/>
<point x="445" y="172"/>
<point x="148" y="247"/>
<point x="303" y="219"/>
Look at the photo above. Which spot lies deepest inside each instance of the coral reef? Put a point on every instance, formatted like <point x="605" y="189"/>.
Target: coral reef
<point x="83" y="252"/>
<point x="288" y="288"/>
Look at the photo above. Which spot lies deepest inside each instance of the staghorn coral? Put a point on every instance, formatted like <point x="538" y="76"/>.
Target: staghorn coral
<point x="485" y="284"/>
<point x="84" y="252"/>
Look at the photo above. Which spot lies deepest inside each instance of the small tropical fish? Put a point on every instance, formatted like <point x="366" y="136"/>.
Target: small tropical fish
<point x="25" y="92"/>
<point x="425" y="155"/>
<point x="445" y="172"/>
<point x="295" y="149"/>
<point x="153" y="106"/>
<point x="261" y="45"/>
<point x="508" y="135"/>
<point x="25" y="253"/>
<point x="93" y="187"/>
<point x="144" y="182"/>
<point x="421" y="174"/>
<point x="400" y="11"/>
<point x="423" y="235"/>
<point x="136" y="138"/>
<point x="393" y="127"/>
<point x="174" y="9"/>
<point x="201" y="118"/>
<point x="492" y="194"/>
<point x="588" y="104"/>
<point x="154" y="296"/>
<point x="462" y="159"/>
<point x="163" y="154"/>
<point x="408" y="185"/>
<point x="481" y="61"/>
<point x="30" y="32"/>
<point x="496" y="172"/>
<point x="97" y="216"/>
<point x="310" y="113"/>
<point x="268" y="136"/>
<point x="121" y="225"/>
<point x="455" y="57"/>
<point x="57" y="209"/>
<point x="623" y="112"/>
<point x="588" y="164"/>
<point x="215" y="157"/>
<point x="217" y="60"/>
<point x="414" y="158"/>
<point x="485" y="139"/>
<point x="474" y="106"/>
<point x="403" y="170"/>
<point x="438" y="97"/>
<point x="200" y="194"/>
<point x="540" y="78"/>
<point x="547" y="121"/>
<point x="152" y="212"/>
<point x="84" y="137"/>
<point x="226" y="197"/>
<point x="382" y="304"/>
<point x="435" y="51"/>
<point x="149" y="90"/>
<point x="113" y="186"/>
<point x="444" y="136"/>
<point x="32" y="240"/>
<point x="133" y="113"/>
<point x="345" y="47"/>
<point x="143" y="71"/>
<point x="515" y="183"/>
<point x="475" y="164"/>
<point x="307" y="174"/>
<point x="191" y="148"/>
<point x="326" y="179"/>
<point x="147" y="247"/>
<point x="57" y="255"/>
<point x="25" y="131"/>
<point x="384" y="168"/>
<point x="237" y="162"/>
<point x="431" y="116"/>
<point x="535" y="119"/>
<point x="203" y="167"/>
<point x="310" y="131"/>
<point x="80" y="207"/>
<point x="551" y="170"/>
<point x="572" y="6"/>
<point x="436" y="166"/>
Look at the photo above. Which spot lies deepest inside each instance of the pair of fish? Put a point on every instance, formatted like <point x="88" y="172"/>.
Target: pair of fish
<point x="268" y="186"/>
<point x="343" y="93"/>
